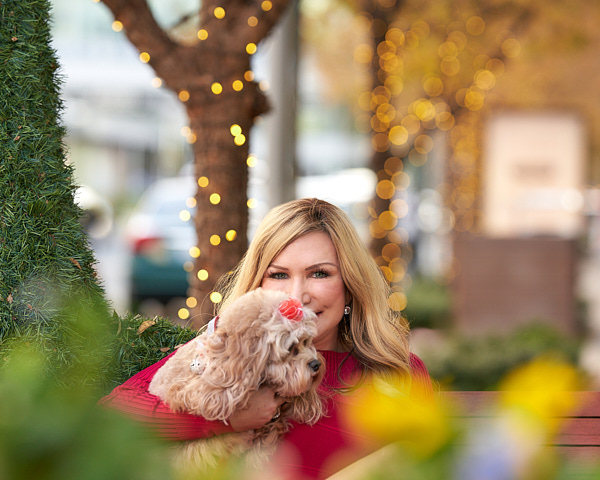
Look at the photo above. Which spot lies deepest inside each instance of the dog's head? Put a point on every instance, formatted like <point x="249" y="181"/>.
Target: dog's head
<point x="262" y="338"/>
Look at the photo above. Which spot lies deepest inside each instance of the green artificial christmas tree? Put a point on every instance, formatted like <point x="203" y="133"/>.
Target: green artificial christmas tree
<point x="49" y="293"/>
<point x="47" y="278"/>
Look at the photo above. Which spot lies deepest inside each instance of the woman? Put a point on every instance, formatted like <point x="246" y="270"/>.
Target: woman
<point x="309" y="249"/>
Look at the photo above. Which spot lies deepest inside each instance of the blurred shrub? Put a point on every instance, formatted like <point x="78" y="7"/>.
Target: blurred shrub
<point x="428" y="304"/>
<point x="479" y="362"/>
<point x="54" y="430"/>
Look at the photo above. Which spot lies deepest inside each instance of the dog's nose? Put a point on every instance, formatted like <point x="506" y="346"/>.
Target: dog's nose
<point x="315" y="365"/>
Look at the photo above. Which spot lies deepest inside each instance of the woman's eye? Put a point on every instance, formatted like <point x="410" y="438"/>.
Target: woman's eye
<point x="320" y="274"/>
<point x="278" y="275"/>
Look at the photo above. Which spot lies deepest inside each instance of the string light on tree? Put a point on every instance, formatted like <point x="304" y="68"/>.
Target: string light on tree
<point x="219" y="13"/>
<point x="202" y="275"/>
<point x="184" y="95"/>
<point x="251" y="48"/>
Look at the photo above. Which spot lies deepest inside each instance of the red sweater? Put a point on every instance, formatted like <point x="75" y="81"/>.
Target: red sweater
<point x="307" y="452"/>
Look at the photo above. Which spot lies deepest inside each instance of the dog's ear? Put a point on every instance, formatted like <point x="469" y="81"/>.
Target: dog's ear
<point x="306" y="408"/>
<point x="235" y="369"/>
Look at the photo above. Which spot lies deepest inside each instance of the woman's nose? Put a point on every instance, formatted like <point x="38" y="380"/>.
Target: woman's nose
<point x="299" y="291"/>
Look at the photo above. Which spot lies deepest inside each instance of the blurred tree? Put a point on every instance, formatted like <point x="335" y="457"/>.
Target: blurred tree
<point x="45" y="259"/>
<point x="212" y="76"/>
<point x="426" y="72"/>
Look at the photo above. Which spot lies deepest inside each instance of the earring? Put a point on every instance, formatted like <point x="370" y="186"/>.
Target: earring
<point x="347" y="310"/>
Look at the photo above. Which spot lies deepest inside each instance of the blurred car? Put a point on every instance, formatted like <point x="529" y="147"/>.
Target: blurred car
<point x="161" y="232"/>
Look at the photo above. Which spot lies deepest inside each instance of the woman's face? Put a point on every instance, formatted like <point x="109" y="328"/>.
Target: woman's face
<point x="308" y="269"/>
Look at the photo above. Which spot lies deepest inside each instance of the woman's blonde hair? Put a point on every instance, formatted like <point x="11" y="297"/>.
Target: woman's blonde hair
<point x="376" y="334"/>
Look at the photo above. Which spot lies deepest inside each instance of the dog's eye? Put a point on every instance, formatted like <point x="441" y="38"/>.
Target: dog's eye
<point x="294" y="350"/>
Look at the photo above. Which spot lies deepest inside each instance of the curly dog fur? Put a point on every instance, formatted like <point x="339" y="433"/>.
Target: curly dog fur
<point x="254" y="343"/>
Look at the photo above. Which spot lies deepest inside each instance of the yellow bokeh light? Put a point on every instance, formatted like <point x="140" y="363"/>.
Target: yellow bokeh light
<point x="252" y="21"/>
<point x="216" y="297"/>
<point x="144" y="57"/>
<point x="117" y="26"/>
<point x="219" y="12"/>
<point x="388" y="220"/>
<point x="191" y="302"/>
<point x="450" y="65"/>
<point x="398" y="135"/>
<point x="156" y="82"/>
<point x="215" y="240"/>
<point x="380" y="142"/>
<point x="399" y="207"/>
<point x="185" y="130"/>
<point x="194" y="252"/>
<point x="248" y="75"/>
<point x="376" y="230"/>
<point x="191" y="138"/>
<point x="183" y="313"/>
<point x="433" y="86"/>
<point x="474" y="100"/>
<point x="511" y="47"/>
<point x="202" y="34"/>
<point x="203" y="182"/>
<point x="475" y="25"/>
<point x="391" y="251"/>
<point x="397" y="301"/>
<point x="215" y="198"/>
<point x="251" y="161"/>
<point x="385" y="189"/>
<point x="185" y="215"/>
<point x="240" y="140"/>
<point x="216" y="88"/>
<point x="424" y="110"/>
<point x="235" y="129"/>
<point x="266" y="5"/>
<point x="401" y="180"/>
<point x="202" y="275"/>
<point x="423" y="144"/>
<point x="237" y="85"/>
<point x="485" y="79"/>
<point x="393" y="165"/>
<point x="251" y="203"/>
<point x="251" y="48"/>
<point x="184" y="95"/>
<point x="231" y="235"/>
<point x="444" y="121"/>
<point x="190" y="202"/>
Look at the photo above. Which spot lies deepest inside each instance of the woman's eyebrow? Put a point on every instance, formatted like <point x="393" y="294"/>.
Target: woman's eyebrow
<point x="317" y="265"/>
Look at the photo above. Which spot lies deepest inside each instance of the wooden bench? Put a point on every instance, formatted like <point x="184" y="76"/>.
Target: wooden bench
<point x="579" y="436"/>
<point x="578" y="439"/>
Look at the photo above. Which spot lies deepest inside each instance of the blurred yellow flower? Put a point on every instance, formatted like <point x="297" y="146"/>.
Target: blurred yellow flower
<point x="383" y="412"/>
<point x="542" y="390"/>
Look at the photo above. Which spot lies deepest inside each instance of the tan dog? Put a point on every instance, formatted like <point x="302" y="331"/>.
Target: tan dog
<point x="262" y="338"/>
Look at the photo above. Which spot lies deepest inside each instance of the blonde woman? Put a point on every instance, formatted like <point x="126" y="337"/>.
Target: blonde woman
<point x="309" y="249"/>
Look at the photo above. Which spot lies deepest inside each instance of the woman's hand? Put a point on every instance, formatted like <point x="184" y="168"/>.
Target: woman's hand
<point x="263" y="406"/>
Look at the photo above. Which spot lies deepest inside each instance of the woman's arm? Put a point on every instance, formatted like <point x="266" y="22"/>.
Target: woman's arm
<point x="133" y="399"/>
